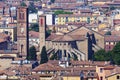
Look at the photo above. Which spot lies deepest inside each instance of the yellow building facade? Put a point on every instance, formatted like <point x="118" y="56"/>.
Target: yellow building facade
<point x="63" y="19"/>
<point x="12" y="31"/>
<point x="102" y="26"/>
<point x="71" y="78"/>
<point x="113" y="77"/>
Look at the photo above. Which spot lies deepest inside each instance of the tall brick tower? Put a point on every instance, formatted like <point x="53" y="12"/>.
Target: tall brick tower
<point x="22" y="31"/>
<point x="42" y="25"/>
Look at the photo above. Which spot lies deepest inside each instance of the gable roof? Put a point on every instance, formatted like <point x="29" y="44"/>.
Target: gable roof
<point x="114" y="71"/>
<point x="33" y="34"/>
<point x="82" y="31"/>
<point x="76" y="34"/>
<point x="47" y="67"/>
<point x="112" y="38"/>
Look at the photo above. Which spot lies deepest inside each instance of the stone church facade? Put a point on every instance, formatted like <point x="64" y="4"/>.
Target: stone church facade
<point x="81" y="42"/>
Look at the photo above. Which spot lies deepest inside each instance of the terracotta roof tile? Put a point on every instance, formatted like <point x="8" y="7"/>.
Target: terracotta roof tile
<point x="112" y="38"/>
<point x="33" y="34"/>
<point x="109" y="67"/>
<point x="53" y="36"/>
<point x="2" y="40"/>
<point x="90" y="63"/>
<point x="86" y="74"/>
<point x="32" y="77"/>
<point x="47" y="66"/>
<point x="22" y="69"/>
<point x="114" y="71"/>
<point x="65" y="1"/>
<point x="65" y="37"/>
<point x="3" y="36"/>
<point x="78" y="69"/>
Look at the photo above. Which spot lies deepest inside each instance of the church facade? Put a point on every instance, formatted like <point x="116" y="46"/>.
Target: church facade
<point x="81" y="42"/>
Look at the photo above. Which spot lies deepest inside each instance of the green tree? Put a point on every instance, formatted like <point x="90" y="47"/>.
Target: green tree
<point x="32" y="53"/>
<point x="112" y="8"/>
<point x="108" y="33"/>
<point x="75" y="57"/>
<point x="62" y="12"/>
<point x="52" y="1"/>
<point x="54" y="56"/>
<point x="32" y="8"/>
<point x="116" y="53"/>
<point x="102" y="55"/>
<point x="113" y="56"/>
<point x="43" y="56"/>
<point x="34" y="27"/>
<point x="23" y="4"/>
<point x="48" y="33"/>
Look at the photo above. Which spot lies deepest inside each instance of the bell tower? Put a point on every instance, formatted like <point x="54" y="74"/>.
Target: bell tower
<point x="22" y="31"/>
<point x="42" y="27"/>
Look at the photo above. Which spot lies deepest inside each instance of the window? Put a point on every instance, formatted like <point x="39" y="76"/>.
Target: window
<point x="64" y="43"/>
<point x="21" y="15"/>
<point x="101" y="78"/>
<point x="22" y="30"/>
<point x="118" y="77"/>
<point x="65" y="53"/>
<point x="101" y="70"/>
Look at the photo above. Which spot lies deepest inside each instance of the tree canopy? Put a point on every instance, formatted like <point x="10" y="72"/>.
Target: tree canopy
<point x="112" y="8"/>
<point x="102" y="55"/>
<point x="48" y="33"/>
<point x="34" y="27"/>
<point x="62" y="12"/>
<point x="52" y="1"/>
<point x="113" y="55"/>
<point x="23" y="4"/>
<point x="108" y="33"/>
<point x="32" y="53"/>
<point x="43" y="56"/>
<point x="32" y="8"/>
<point x="116" y="53"/>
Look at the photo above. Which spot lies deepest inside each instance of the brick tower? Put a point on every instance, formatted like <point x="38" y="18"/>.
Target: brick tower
<point x="22" y="31"/>
<point x="42" y="25"/>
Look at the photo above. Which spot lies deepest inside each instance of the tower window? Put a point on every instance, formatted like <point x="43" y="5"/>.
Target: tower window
<point x="22" y="30"/>
<point x="21" y="15"/>
<point x="41" y="22"/>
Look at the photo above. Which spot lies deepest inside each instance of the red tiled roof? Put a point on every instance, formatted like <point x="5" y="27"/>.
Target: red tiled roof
<point x="101" y="5"/>
<point x="47" y="66"/>
<point x="114" y="71"/>
<point x="22" y="69"/>
<point x="53" y="36"/>
<point x="65" y="1"/>
<point x="33" y="34"/>
<point x="109" y="67"/>
<point x="85" y="11"/>
<point x="3" y="36"/>
<point x="2" y="40"/>
<point x="92" y="63"/>
<point x="65" y="37"/>
<point x="112" y="38"/>
<point x="116" y="21"/>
